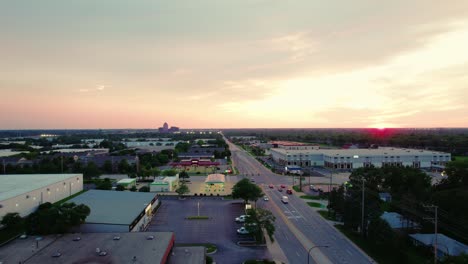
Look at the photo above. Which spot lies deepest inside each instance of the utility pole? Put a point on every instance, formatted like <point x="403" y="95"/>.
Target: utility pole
<point x="362" y="210"/>
<point x="61" y="163"/>
<point x="433" y="220"/>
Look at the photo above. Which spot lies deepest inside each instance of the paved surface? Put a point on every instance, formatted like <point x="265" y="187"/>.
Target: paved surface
<point x="220" y="229"/>
<point x="299" y="228"/>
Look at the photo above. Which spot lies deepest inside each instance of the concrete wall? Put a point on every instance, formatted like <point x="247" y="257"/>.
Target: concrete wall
<point x="27" y="203"/>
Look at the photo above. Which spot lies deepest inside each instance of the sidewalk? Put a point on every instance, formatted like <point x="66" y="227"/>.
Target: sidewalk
<point x="275" y="250"/>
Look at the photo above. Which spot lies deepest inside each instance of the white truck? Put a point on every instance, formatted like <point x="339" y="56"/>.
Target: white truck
<point x="285" y="199"/>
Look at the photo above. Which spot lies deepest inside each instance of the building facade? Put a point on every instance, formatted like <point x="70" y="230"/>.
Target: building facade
<point x="358" y="158"/>
<point x="23" y="193"/>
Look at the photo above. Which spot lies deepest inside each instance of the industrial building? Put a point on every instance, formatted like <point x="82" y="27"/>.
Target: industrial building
<point x="135" y="247"/>
<point x="23" y="193"/>
<point x="357" y="158"/>
<point x="113" y="211"/>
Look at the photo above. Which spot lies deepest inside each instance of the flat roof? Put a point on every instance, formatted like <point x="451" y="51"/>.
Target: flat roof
<point x="361" y="152"/>
<point x="188" y="255"/>
<point x="130" y="245"/>
<point x="124" y="181"/>
<point x="113" y="207"/>
<point x="12" y="185"/>
<point x="445" y="243"/>
<point x="215" y="178"/>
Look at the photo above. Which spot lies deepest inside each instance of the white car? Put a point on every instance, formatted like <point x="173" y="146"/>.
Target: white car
<point x="241" y="219"/>
<point x="243" y="231"/>
<point x="265" y="198"/>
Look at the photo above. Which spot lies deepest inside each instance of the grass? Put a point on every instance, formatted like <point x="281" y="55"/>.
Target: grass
<point x="201" y="217"/>
<point x="314" y="204"/>
<point x="310" y="197"/>
<point x="464" y="158"/>
<point x="8" y="233"/>
<point x="210" y="248"/>
<point x="382" y="254"/>
<point x="296" y="188"/>
<point x="69" y="198"/>
<point x="324" y="214"/>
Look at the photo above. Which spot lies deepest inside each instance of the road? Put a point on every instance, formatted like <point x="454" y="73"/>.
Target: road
<point x="298" y="227"/>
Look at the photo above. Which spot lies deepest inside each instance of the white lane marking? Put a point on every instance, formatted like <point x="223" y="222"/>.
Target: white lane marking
<point x="297" y="253"/>
<point x="349" y="252"/>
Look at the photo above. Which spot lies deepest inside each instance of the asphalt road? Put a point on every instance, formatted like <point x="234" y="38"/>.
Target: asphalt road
<point x="299" y="228"/>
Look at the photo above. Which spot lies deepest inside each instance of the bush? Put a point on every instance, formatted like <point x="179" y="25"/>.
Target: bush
<point x="144" y="189"/>
<point x="209" y="260"/>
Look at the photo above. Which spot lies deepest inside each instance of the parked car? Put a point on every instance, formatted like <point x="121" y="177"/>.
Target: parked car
<point x="289" y="191"/>
<point x="241" y="219"/>
<point x="265" y="198"/>
<point x="271" y="186"/>
<point x="283" y="186"/>
<point x="242" y="231"/>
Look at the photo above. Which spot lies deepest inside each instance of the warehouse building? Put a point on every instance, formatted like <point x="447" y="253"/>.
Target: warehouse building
<point x="113" y="211"/>
<point x="357" y="158"/>
<point x="23" y="193"/>
<point x="135" y="247"/>
<point x="166" y="184"/>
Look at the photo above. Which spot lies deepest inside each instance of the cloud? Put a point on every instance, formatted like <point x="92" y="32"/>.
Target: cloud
<point x="102" y="87"/>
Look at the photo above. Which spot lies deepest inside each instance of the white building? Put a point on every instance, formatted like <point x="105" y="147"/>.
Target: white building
<point x="166" y="184"/>
<point x="357" y="158"/>
<point x="23" y="193"/>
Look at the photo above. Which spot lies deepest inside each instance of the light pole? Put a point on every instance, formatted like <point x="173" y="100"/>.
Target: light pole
<point x="308" y="252"/>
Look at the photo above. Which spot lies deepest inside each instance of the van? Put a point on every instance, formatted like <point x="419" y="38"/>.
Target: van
<point x="285" y="199"/>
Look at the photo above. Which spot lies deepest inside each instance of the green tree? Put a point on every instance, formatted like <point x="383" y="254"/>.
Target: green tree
<point x="170" y="172"/>
<point x="461" y="259"/>
<point x="183" y="175"/>
<point x="124" y="167"/>
<point x="144" y="189"/>
<point x="133" y="188"/>
<point x="107" y="167"/>
<point x="246" y="191"/>
<point x="183" y="189"/>
<point x="104" y="185"/>
<point x="12" y="220"/>
<point x="91" y="170"/>
<point x="266" y="220"/>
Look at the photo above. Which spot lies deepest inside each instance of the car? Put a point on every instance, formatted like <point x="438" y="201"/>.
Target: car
<point x="241" y="219"/>
<point x="116" y="238"/>
<point x="243" y="231"/>
<point x="313" y="188"/>
<point x="23" y="236"/>
<point x="283" y="186"/>
<point x="265" y="198"/>
<point x="56" y="255"/>
<point x="271" y="186"/>
<point x="289" y="191"/>
<point x="102" y="253"/>
<point x="149" y="237"/>
<point x="280" y="190"/>
<point x="76" y="238"/>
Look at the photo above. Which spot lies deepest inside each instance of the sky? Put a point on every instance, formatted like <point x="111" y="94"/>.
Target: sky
<point x="233" y="64"/>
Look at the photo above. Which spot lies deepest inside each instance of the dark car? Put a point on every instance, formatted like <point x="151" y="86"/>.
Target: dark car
<point x="271" y="186"/>
<point x="289" y="191"/>
<point x="279" y="189"/>
<point x="283" y="186"/>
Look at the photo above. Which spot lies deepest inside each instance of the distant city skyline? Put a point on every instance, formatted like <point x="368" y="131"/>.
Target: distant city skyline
<point x="233" y="64"/>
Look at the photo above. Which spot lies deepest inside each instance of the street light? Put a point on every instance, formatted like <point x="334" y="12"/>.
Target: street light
<point x="308" y="252"/>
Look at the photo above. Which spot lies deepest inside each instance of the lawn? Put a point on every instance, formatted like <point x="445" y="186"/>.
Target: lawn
<point x="314" y="204"/>
<point x="296" y="188"/>
<point x="324" y="214"/>
<point x="311" y="197"/>
<point x="464" y="158"/>
<point x="407" y="254"/>
<point x="8" y="233"/>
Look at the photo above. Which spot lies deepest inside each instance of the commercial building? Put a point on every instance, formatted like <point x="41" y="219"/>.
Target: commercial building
<point x="23" y="193"/>
<point x="136" y="247"/>
<point x="291" y="145"/>
<point x="113" y="211"/>
<point x="445" y="245"/>
<point x="214" y="183"/>
<point x="127" y="182"/>
<point x="357" y="158"/>
<point x="166" y="184"/>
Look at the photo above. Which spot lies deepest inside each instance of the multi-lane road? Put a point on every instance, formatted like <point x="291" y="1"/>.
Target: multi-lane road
<point x="298" y="227"/>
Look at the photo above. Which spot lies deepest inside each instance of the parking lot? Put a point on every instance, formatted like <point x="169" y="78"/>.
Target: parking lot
<point x="220" y="229"/>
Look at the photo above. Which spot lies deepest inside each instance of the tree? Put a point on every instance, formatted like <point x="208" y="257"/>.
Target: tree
<point x="144" y="189"/>
<point x="183" y="189"/>
<point x="12" y="220"/>
<point x="184" y="175"/>
<point x="170" y="172"/>
<point x="120" y="187"/>
<point x="246" y="190"/>
<point x="460" y="259"/>
<point x="104" y="185"/>
<point x="266" y="220"/>
<point x="107" y="167"/>
<point x="133" y="189"/>
<point x="123" y="166"/>
<point x="91" y="170"/>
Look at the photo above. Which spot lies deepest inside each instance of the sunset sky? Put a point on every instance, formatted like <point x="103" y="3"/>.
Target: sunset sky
<point x="233" y="63"/>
